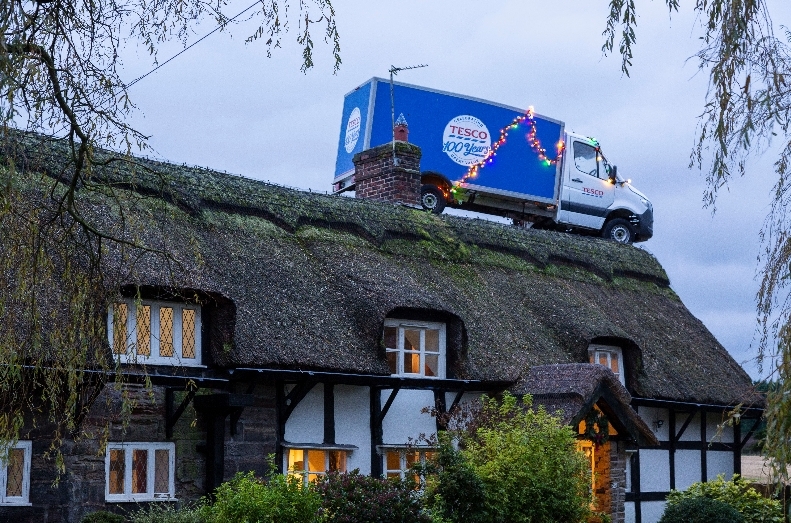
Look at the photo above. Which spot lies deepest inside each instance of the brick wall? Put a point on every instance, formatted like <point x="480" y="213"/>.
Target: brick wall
<point x="376" y="177"/>
<point x="80" y="488"/>
<point x="619" y="460"/>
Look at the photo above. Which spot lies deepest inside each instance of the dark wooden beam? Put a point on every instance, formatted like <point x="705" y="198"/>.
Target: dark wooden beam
<point x="671" y="429"/>
<point x="376" y="417"/>
<point x="172" y="417"/>
<point x="329" y="413"/>
<point x="686" y="424"/>
<point x="382" y="413"/>
<point x="704" y="447"/>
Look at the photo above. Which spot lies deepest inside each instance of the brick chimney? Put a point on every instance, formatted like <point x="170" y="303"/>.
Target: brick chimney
<point x="377" y="178"/>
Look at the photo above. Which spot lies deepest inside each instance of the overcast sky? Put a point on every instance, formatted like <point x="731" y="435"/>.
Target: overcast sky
<point x="225" y="105"/>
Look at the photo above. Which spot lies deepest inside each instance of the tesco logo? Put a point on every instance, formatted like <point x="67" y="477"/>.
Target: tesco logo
<point x="464" y="131"/>
<point x="593" y="192"/>
<point x="466" y="140"/>
<point x="352" y="130"/>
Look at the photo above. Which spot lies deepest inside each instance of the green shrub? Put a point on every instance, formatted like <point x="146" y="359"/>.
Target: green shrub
<point x="166" y="513"/>
<point x="527" y="462"/>
<point x="355" y="498"/>
<point x="700" y="510"/>
<point x="247" y="499"/>
<point x="738" y="494"/>
<point x="102" y="517"/>
<point x="454" y="493"/>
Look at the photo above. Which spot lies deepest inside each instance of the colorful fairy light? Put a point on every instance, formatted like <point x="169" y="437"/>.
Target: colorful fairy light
<point x="532" y="139"/>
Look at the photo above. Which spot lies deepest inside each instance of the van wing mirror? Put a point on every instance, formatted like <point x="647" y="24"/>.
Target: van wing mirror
<point x="614" y="173"/>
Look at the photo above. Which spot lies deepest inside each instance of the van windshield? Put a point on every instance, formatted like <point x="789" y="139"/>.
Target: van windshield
<point x="585" y="158"/>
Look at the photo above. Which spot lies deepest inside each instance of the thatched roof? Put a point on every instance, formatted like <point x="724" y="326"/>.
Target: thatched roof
<point x="311" y="278"/>
<point x="571" y="390"/>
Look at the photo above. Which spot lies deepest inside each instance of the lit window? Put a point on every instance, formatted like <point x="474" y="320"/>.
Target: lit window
<point x="139" y="471"/>
<point x="610" y="357"/>
<point x="155" y="333"/>
<point x="398" y="463"/>
<point x="415" y="348"/>
<point x="15" y="474"/>
<point x="311" y="464"/>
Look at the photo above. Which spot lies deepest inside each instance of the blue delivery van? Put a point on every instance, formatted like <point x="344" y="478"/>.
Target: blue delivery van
<point x="493" y="158"/>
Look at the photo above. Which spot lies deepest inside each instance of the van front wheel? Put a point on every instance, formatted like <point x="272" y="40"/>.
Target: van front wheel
<point x="619" y="230"/>
<point x="432" y="199"/>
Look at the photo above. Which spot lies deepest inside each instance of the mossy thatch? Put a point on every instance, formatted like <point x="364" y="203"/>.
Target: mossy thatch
<point x="313" y="276"/>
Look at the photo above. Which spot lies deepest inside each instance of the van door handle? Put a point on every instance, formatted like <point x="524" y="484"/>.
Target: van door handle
<point x="576" y="180"/>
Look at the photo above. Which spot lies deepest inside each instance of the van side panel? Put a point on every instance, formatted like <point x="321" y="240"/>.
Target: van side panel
<point x="354" y="123"/>
<point x="454" y="132"/>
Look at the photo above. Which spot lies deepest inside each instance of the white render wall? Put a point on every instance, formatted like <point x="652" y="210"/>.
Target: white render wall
<point x="655" y="463"/>
<point x="405" y="423"/>
<point x="306" y="423"/>
<point x="352" y="424"/>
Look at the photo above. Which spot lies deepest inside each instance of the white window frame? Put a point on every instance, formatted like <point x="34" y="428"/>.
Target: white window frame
<point x="151" y="448"/>
<point x="400" y="326"/>
<point x="24" y="499"/>
<point x="131" y="355"/>
<point x="612" y="353"/>
<point x="304" y="472"/>
<point x="403" y="470"/>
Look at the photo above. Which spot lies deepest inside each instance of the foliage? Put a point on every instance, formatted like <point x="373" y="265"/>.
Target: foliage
<point x="527" y="461"/>
<point x="356" y="498"/>
<point x="700" y="510"/>
<point x="738" y="494"/>
<point x="454" y="492"/>
<point x="103" y="516"/>
<point x="165" y="513"/>
<point x="747" y="106"/>
<point x="61" y="74"/>
<point x="247" y="499"/>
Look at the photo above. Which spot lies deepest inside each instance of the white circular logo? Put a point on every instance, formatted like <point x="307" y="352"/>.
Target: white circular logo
<point x="466" y="140"/>
<point x="352" y="130"/>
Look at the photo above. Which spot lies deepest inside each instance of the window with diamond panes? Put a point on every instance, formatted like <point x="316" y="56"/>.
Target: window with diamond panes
<point x="15" y="474"/>
<point x="415" y="348"/>
<point x="140" y="471"/>
<point x="312" y="464"/>
<point x="155" y="333"/>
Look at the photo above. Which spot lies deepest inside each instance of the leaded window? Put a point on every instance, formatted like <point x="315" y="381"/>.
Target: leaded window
<point x="139" y="471"/>
<point x="155" y="333"/>
<point x="15" y="473"/>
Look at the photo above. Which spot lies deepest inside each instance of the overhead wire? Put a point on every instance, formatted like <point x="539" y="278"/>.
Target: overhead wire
<point x="204" y="37"/>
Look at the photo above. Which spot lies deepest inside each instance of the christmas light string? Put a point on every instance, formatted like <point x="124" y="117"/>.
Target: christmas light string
<point x="532" y="139"/>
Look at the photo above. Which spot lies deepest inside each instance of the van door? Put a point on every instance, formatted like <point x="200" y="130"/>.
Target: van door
<point x="587" y="191"/>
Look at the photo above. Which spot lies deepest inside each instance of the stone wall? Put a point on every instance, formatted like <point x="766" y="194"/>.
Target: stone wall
<point x="80" y="488"/>
<point x="619" y="460"/>
<point x="376" y="177"/>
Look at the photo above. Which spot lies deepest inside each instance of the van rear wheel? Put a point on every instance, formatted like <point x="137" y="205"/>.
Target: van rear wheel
<point x="619" y="230"/>
<point x="432" y="199"/>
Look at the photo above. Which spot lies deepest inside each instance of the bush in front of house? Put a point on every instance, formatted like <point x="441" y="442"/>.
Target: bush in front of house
<point x="102" y="516"/>
<point x="355" y="498"/>
<point x="527" y="461"/>
<point x="454" y="492"/>
<point x="738" y="494"/>
<point x="166" y="513"/>
<point x="248" y="499"/>
<point x="700" y="509"/>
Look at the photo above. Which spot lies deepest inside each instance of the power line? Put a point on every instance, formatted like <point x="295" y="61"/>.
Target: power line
<point x="133" y="82"/>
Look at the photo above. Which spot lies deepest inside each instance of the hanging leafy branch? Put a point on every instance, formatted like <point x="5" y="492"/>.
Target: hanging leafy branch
<point x="747" y="110"/>
<point x="67" y="242"/>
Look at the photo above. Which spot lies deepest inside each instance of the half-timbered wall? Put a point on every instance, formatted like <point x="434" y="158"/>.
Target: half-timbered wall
<point x="692" y="448"/>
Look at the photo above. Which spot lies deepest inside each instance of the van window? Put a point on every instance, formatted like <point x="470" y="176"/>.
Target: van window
<point x="585" y="158"/>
